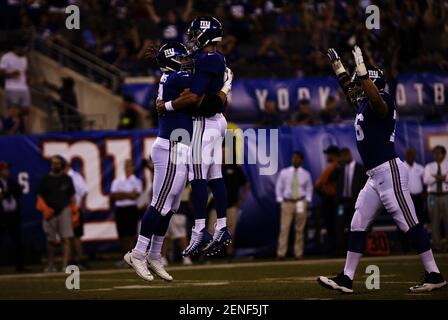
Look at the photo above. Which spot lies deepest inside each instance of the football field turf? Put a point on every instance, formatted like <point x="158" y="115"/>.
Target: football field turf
<point x="244" y="280"/>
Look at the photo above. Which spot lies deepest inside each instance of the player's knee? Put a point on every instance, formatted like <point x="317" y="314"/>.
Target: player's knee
<point x="419" y="238"/>
<point x="357" y="223"/>
<point x="357" y="241"/>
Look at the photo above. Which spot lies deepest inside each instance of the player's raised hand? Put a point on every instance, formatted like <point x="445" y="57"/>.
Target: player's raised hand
<point x="361" y="69"/>
<point x="151" y="51"/>
<point x="228" y="78"/>
<point x="333" y="55"/>
<point x="335" y="61"/>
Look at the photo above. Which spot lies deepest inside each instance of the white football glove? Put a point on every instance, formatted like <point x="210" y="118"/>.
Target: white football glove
<point x="361" y="69"/>
<point x="228" y="78"/>
<point x="335" y="61"/>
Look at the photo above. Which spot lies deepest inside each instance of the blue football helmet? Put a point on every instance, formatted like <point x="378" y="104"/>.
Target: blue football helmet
<point x="356" y="93"/>
<point x="202" y="31"/>
<point x="172" y="57"/>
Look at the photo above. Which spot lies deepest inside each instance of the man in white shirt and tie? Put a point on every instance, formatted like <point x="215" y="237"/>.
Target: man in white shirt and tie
<point x="436" y="178"/>
<point x="416" y="186"/>
<point x="294" y="191"/>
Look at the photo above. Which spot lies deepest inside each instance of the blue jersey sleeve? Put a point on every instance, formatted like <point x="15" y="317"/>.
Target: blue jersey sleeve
<point x="207" y="66"/>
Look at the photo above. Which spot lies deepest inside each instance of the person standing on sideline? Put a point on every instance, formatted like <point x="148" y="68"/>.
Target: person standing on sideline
<point x="56" y="202"/>
<point x="416" y="186"/>
<point x="80" y="196"/>
<point x="436" y="178"/>
<point x="351" y="177"/>
<point x="10" y="193"/>
<point x="237" y="190"/>
<point x="125" y="192"/>
<point x="294" y="191"/>
<point x="326" y="187"/>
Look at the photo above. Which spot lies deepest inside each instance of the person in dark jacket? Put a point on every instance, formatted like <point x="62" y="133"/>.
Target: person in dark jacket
<point x="350" y="178"/>
<point x="10" y="193"/>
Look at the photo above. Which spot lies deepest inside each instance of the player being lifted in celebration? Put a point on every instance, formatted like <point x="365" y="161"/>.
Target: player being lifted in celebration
<point x="387" y="185"/>
<point x="209" y="128"/>
<point x="170" y="157"/>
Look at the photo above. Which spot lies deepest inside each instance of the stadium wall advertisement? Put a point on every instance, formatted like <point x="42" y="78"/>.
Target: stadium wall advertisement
<point x="99" y="156"/>
<point x="249" y="96"/>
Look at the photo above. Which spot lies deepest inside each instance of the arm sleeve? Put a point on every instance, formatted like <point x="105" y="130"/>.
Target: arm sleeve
<point x="428" y="179"/>
<point x="279" y="188"/>
<point x="3" y="63"/>
<point x="71" y="190"/>
<point x="309" y="188"/>
<point x="139" y="186"/>
<point x="114" y="186"/>
<point x="82" y="186"/>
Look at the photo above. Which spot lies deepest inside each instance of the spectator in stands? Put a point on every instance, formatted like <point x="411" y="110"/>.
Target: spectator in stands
<point x="436" y="179"/>
<point x="80" y="186"/>
<point x="416" y="186"/>
<point x="124" y="192"/>
<point x="67" y="104"/>
<point x="128" y="116"/>
<point x="330" y="114"/>
<point x="351" y="178"/>
<point x="238" y="188"/>
<point x="56" y="201"/>
<point x="240" y="19"/>
<point x="13" y="123"/>
<point x="304" y="116"/>
<point x="10" y="217"/>
<point x="293" y="190"/>
<point x="171" y="26"/>
<point x="270" y="117"/>
<point x="177" y="229"/>
<point x="14" y="67"/>
<point x="326" y="187"/>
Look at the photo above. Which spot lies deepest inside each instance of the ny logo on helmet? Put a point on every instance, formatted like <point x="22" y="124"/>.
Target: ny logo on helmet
<point x="169" y="52"/>
<point x="205" y="25"/>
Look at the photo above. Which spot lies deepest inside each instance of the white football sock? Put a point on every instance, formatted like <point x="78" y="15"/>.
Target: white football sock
<point x="221" y="223"/>
<point x="199" y="224"/>
<point x="351" y="263"/>
<point x="155" y="250"/>
<point x="141" y="247"/>
<point x="428" y="261"/>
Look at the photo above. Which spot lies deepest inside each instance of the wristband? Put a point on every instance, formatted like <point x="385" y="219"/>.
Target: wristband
<point x="338" y="67"/>
<point x="169" y="106"/>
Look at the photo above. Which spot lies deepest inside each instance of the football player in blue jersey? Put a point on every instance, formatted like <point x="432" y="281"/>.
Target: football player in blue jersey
<point x="170" y="157"/>
<point x="209" y="128"/>
<point x="387" y="185"/>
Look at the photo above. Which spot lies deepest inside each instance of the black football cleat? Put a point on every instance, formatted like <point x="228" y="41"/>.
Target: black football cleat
<point x="340" y="283"/>
<point x="432" y="281"/>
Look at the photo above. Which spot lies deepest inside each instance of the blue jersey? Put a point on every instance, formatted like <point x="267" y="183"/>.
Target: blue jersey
<point x="375" y="136"/>
<point x="209" y="68"/>
<point x="170" y="87"/>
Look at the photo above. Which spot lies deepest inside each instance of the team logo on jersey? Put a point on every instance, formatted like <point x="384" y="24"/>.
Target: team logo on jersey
<point x="169" y="52"/>
<point x="205" y="24"/>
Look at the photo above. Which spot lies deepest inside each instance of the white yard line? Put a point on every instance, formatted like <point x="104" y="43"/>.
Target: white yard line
<point x="229" y="265"/>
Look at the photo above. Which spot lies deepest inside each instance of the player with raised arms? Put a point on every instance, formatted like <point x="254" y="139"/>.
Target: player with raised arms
<point x="387" y="185"/>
